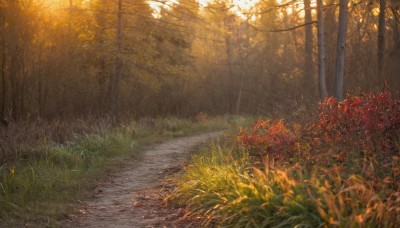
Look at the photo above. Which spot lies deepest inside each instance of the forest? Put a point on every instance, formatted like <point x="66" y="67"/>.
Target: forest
<point x="291" y="83"/>
<point x="68" y="58"/>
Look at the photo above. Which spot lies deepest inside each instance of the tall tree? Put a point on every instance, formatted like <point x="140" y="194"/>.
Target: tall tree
<point x="341" y="45"/>
<point x="115" y="81"/>
<point x="3" y="63"/>
<point x="229" y="58"/>
<point x="308" y="47"/>
<point x="321" y="50"/>
<point x="381" y="36"/>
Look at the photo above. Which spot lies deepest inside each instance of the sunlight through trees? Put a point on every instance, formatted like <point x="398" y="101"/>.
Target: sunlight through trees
<point x="181" y="57"/>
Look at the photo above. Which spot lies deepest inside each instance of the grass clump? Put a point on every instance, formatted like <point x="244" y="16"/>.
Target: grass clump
<point x="223" y="188"/>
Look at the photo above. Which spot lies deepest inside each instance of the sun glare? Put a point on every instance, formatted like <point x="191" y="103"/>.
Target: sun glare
<point x="244" y="9"/>
<point x="52" y="3"/>
<point x="245" y="5"/>
<point x="62" y="4"/>
<point x="297" y="7"/>
<point x="159" y="5"/>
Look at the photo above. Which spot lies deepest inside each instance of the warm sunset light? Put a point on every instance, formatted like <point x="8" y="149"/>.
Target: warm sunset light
<point x="296" y="8"/>
<point x="199" y="113"/>
<point x="63" y="3"/>
<point x="53" y="3"/>
<point x="158" y="6"/>
<point x="238" y="5"/>
<point x="245" y="9"/>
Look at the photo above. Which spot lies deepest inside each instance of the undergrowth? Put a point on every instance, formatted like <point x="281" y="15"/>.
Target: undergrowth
<point x="339" y="170"/>
<point x="47" y="167"/>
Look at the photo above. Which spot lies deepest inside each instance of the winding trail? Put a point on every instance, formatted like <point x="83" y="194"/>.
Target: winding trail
<point x="128" y="198"/>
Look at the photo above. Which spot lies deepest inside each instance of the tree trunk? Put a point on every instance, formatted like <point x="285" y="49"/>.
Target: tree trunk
<point x="308" y="60"/>
<point x="103" y="73"/>
<point x="341" y="44"/>
<point x="381" y="36"/>
<point x="4" y="86"/>
<point x="115" y="82"/>
<point x="321" y="51"/>
<point x="15" y="81"/>
<point x="239" y="99"/>
<point x="396" y="30"/>
<point x="3" y="68"/>
<point x="230" y="72"/>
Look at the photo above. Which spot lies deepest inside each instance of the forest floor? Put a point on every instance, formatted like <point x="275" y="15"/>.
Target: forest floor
<point x="131" y="194"/>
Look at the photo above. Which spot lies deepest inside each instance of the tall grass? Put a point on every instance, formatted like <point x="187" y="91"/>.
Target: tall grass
<point x="340" y="170"/>
<point x="39" y="184"/>
<point x="37" y="189"/>
<point x="222" y="188"/>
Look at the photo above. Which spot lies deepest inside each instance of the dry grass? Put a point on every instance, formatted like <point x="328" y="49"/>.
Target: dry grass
<point x="46" y="166"/>
<point x="341" y="170"/>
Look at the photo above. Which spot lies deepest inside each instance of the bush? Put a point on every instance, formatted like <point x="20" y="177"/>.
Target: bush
<point x="360" y="135"/>
<point x="370" y="123"/>
<point x="269" y="138"/>
<point x="346" y="172"/>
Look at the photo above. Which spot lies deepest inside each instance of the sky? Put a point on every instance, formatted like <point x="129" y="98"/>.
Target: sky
<point x="239" y="7"/>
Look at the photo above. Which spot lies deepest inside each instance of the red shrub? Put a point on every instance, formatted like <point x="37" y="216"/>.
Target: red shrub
<point x="360" y="135"/>
<point x="267" y="138"/>
<point x="370" y="123"/>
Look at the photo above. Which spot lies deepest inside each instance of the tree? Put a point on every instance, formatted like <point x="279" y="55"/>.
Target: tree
<point x="100" y="56"/>
<point x="114" y="84"/>
<point x="341" y="45"/>
<point x="321" y="50"/>
<point x="381" y="36"/>
<point x="308" y="47"/>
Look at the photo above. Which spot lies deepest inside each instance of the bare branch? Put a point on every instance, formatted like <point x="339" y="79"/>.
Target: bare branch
<point x="285" y="29"/>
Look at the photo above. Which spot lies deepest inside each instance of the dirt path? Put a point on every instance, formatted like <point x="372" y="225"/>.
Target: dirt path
<point x="129" y="198"/>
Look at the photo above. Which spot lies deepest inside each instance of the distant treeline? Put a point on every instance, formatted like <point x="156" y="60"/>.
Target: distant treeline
<point x="100" y="56"/>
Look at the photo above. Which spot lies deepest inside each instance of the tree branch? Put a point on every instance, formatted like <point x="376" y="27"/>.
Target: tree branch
<point x="283" y="30"/>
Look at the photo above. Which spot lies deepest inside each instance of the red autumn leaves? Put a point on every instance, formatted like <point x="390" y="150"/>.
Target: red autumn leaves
<point x="370" y="123"/>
